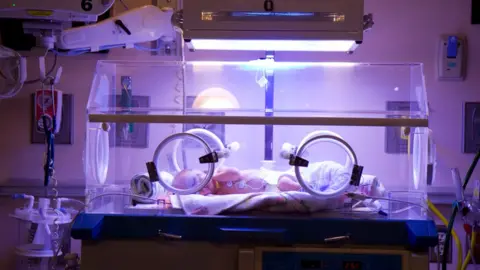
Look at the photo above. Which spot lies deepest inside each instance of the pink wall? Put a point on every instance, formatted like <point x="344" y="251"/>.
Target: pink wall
<point x="405" y="31"/>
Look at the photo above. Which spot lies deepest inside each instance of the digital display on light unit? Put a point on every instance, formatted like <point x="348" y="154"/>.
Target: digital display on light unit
<point x="351" y="265"/>
<point x="312" y="265"/>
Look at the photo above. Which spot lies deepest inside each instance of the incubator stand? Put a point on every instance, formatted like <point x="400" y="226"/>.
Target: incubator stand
<point x="258" y="154"/>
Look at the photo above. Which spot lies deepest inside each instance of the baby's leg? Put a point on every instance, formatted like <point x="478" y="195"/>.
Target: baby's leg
<point x="288" y="183"/>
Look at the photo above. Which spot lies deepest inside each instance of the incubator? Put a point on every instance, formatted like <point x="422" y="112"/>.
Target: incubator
<point x="283" y="146"/>
<point x="216" y="130"/>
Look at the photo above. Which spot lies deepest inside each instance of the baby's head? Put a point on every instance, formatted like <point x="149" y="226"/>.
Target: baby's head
<point x="187" y="179"/>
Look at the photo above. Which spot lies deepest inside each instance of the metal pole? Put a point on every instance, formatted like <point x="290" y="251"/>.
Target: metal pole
<point x="269" y="105"/>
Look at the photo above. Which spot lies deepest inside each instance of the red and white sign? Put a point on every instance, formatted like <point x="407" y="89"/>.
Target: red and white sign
<point x="49" y="103"/>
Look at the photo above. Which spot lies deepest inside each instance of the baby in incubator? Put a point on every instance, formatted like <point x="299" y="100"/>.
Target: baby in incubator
<point x="226" y="180"/>
<point x="321" y="176"/>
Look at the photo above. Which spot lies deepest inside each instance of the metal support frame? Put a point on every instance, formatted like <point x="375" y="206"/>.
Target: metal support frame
<point x="269" y="105"/>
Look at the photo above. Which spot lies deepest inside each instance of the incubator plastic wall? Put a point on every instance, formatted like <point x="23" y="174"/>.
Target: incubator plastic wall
<point x="221" y="137"/>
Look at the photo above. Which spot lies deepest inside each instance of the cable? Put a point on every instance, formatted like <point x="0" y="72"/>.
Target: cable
<point x="456" y="206"/>
<point x="52" y="68"/>
<point x="448" y="235"/>
<point x="362" y="197"/>
<point x="442" y="218"/>
<point x="75" y="52"/>
<point x="179" y="99"/>
<point x="471" y="169"/>
<point x="125" y="6"/>
<point x="472" y="247"/>
<point x="473" y="256"/>
<point x="80" y="51"/>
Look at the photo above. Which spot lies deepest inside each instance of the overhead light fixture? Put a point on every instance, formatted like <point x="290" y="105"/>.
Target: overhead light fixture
<point x="274" y="45"/>
<point x="320" y="26"/>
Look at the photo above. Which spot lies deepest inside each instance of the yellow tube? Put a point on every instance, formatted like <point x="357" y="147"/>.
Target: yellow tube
<point x="473" y="241"/>
<point x="467" y="260"/>
<point x="454" y="234"/>
<point x="472" y="247"/>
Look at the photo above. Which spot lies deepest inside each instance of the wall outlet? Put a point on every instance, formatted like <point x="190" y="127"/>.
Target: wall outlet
<point x="471" y="127"/>
<point x="436" y="253"/>
<point x="395" y="140"/>
<point x="65" y="134"/>
<point x="131" y="135"/>
<point x="451" y="58"/>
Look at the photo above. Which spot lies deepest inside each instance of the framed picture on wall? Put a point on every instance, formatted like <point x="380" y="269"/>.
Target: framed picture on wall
<point x="396" y="138"/>
<point x="217" y="129"/>
<point x="129" y="135"/>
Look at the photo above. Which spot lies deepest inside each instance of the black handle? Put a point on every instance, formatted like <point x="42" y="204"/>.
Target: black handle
<point x="120" y="24"/>
<point x="152" y="172"/>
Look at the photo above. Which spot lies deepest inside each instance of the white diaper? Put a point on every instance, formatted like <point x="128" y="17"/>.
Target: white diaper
<point x="326" y="176"/>
<point x="322" y="176"/>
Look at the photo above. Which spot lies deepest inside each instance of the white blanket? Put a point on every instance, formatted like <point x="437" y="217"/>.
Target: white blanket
<point x="292" y="201"/>
<point x="299" y="202"/>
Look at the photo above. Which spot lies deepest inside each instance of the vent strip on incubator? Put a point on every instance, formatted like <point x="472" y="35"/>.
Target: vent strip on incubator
<point x="258" y="120"/>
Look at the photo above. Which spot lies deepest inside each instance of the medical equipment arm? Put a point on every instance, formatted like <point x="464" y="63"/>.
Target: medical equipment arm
<point x="330" y="25"/>
<point x="143" y="24"/>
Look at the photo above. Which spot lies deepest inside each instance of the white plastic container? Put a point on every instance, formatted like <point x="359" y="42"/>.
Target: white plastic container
<point x="40" y="235"/>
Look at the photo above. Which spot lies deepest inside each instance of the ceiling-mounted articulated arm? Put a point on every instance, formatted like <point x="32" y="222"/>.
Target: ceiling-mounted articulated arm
<point x="147" y="23"/>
